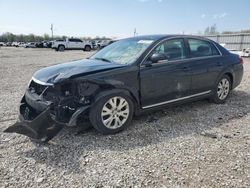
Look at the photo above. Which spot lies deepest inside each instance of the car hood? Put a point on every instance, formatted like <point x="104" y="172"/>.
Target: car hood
<point x="60" y="72"/>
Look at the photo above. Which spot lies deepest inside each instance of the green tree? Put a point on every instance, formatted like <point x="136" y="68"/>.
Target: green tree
<point x="46" y="36"/>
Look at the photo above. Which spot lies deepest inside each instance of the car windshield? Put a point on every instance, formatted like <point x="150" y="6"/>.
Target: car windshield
<point x="125" y="51"/>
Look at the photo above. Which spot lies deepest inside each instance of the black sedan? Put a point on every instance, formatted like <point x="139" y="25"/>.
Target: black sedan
<point x="124" y="79"/>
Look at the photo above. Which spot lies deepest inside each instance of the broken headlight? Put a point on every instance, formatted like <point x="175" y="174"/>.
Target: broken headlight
<point x="67" y="89"/>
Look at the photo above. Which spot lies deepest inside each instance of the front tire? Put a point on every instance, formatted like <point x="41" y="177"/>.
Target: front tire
<point x="112" y="113"/>
<point x="222" y="90"/>
<point x="61" y="48"/>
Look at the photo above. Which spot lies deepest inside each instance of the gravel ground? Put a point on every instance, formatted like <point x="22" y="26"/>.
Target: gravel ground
<point x="199" y="144"/>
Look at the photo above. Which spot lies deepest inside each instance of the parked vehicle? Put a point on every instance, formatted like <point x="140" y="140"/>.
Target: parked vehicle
<point x="48" y="44"/>
<point x="246" y="52"/>
<point x="40" y="45"/>
<point x="128" y="77"/>
<point x="15" y="44"/>
<point x="2" y="44"/>
<point x="30" y="45"/>
<point x="94" y="44"/>
<point x="106" y="43"/>
<point x="242" y="53"/>
<point x="21" y="44"/>
<point x="102" y="43"/>
<point x="71" y="44"/>
<point x="8" y="43"/>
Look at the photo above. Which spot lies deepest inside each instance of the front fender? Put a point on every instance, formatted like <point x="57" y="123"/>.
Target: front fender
<point x="110" y="84"/>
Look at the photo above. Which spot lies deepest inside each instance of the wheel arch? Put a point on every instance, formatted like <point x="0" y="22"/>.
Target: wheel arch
<point x="103" y="93"/>
<point x="60" y="45"/>
<point x="87" y="45"/>
<point x="229" y="73"/>
<point x="111" y="86"/>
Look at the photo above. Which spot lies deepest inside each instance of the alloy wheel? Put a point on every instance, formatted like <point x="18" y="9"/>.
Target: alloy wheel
<point x="223" y="89"/>
<point x="115" y="112"/>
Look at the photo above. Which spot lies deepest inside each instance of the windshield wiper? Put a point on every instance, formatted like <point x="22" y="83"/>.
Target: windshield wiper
<point x="103" y="59"/>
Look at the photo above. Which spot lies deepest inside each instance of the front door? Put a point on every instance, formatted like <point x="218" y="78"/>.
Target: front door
<point x="168" y="80"/>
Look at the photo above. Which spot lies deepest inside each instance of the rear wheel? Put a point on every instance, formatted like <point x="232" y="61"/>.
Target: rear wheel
<point x="222" y="90"/>
<point x="112" y="113"/>
<point x="87" y="48"/>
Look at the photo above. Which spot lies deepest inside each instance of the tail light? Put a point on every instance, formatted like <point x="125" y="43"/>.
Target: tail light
<point x="241" y="60"/>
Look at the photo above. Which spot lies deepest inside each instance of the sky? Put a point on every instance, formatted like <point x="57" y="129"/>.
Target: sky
<point x="119" y="18"/>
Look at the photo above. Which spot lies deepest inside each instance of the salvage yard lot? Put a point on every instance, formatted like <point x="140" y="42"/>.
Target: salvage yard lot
<point x="192" y="145"/>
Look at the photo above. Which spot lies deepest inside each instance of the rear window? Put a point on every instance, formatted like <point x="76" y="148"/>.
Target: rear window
<point x="215" y="50"/>
<point x="201" y="48"/>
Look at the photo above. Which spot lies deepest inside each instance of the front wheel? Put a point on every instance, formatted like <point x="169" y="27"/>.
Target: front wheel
<point x="112" y="113"/>
<point x="222" y="90"/>
<point x="61" y="48"/>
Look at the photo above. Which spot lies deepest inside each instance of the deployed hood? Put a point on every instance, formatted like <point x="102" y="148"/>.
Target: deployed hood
<point x="56" y="73"/>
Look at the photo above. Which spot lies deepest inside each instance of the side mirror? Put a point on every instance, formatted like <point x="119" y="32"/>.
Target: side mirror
<point x="158" y="57"/>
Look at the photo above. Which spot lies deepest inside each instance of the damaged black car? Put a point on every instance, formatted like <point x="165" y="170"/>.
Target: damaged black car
<point x="124" y="79"/>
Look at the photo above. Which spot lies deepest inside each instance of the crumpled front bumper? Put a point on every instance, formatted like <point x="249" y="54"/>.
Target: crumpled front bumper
<point x="36" y="120"/>
<point x="42" y="127"/>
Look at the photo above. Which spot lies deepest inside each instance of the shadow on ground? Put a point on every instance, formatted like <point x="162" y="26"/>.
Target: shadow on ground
<point x="67" y="150"/>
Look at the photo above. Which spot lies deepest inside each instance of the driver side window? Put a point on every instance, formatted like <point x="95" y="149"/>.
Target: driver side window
<point x="173" y="49"/>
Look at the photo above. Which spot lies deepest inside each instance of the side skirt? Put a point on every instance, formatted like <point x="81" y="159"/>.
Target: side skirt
<point x="177" y="100"/>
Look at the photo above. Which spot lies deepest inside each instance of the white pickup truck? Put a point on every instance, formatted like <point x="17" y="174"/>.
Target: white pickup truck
<point x="71" y="44"/>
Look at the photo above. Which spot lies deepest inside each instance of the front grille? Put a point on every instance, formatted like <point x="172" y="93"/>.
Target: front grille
<point x="37" y="88"/>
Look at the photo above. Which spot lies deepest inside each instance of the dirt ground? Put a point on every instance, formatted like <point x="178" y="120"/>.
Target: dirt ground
<point x="198" y="144"/>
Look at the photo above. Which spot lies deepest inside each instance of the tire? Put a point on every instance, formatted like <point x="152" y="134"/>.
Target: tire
<point x="87" y="48"/>
<point x="222" y="90"/>
<point x="61" y="48"/>
<point x="105" y="114"/>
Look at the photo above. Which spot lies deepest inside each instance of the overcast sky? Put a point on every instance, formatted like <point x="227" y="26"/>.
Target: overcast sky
<point x="120" y="17"/>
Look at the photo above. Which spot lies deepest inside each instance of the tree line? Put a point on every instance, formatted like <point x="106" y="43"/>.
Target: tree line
<point x="10" y="37"/>
<point x="212" y="30"/>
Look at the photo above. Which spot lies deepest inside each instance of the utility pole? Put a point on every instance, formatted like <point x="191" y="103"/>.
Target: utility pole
<point x="135" y="33"/>
<point x="51" y="28"/>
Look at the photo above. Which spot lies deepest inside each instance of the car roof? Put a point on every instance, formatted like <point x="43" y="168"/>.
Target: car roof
<point x="165" y="36"/>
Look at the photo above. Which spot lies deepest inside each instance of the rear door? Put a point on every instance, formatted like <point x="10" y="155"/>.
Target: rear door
<point x="73" y="44"/>
<point x="168" y="80"/>
<point x="206" y="64"/>
<point x="79" y="44"/>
